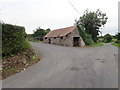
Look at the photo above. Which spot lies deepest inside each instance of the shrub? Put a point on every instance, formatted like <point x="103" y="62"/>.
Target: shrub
<point x="118" y="36"/>
<point x="86" y="37"/>
<point x="89" y="40"/>
<point x="107" y="38"/>
<point x="118" y="41"/>
<point x="13" y="38"/>
<point x="100" y="39"/>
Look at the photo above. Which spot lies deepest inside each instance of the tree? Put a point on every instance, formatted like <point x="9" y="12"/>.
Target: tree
<point x="40" y="33"/>
<point x="118" y="36"/>
<point x="91" y="22"/>
<point x="107" y="38"/>
<point x="47" y="31"/>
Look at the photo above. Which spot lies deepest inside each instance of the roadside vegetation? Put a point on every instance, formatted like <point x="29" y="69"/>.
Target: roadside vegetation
<point x="17" y="53"/>
<point x="33" y="39"/>
<point x="107" y="38"/>
<point x="97" y="44"/>
<point x="116" y="44"/>
<point x="113" y="39"/>
<point x="89" y="25"/>
<point x="38" y="35"/>
<point x="116" y="40"/>
<point x="38" y="41"/>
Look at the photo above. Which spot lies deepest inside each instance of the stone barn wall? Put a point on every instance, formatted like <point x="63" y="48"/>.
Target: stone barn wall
<point x="66" y="40"/>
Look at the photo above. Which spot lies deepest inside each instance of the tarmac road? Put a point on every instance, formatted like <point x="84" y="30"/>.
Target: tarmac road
<point x="69" y="67"/>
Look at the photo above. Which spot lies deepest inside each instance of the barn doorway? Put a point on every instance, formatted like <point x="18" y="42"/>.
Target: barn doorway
<point x="49" y="41"/>
<point x="76" y="41"/>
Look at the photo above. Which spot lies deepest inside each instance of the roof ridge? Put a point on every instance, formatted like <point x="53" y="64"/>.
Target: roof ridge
<point x="64" y="28"/>
<point x="60" y="32"/>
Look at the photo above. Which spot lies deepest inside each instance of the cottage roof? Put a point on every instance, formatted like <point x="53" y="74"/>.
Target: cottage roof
<point x="60" y="32"/>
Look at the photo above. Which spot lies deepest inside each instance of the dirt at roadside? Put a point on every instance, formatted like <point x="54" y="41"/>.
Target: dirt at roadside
<point x="18" y="62"/>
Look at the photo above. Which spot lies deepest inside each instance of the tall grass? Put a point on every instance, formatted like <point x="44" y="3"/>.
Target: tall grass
<point x="26" y="44"/>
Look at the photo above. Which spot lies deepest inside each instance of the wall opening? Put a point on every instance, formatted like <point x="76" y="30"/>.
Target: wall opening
<point x="49" y="41"/>
<point x="61" y="37"/>
<point x="76" y="41"/>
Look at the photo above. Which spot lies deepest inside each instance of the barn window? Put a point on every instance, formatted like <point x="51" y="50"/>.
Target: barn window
<point x="61" y="37"/>
<point x="45" y="37"/>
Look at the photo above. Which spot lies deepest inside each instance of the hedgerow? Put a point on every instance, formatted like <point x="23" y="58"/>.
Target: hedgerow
<point x="86" y="37"/>
<point x="13" y="38"/>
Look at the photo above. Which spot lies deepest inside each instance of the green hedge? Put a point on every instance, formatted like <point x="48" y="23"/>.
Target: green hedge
<point x="107" y="38"/>
<point x="13" y="38"/>
<point x="86" y="37"/>
<point x="117" y="41"/>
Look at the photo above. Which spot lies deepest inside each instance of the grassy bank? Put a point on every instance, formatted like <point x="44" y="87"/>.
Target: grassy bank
<point x="17" y="53"/>
<point x="116" y="44"/>
<point x="20" y="61"/>
<point x="97" y="44"/>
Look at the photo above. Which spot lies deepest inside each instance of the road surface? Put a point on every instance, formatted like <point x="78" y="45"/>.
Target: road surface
<point x="69" y="67"/>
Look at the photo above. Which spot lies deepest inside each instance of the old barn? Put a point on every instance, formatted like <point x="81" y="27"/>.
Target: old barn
<point x="65" y="36"/>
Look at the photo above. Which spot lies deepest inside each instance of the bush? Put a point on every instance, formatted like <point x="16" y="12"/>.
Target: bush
<point x="107" y="38"/>
<point x="86" y="37"/>
<point x="13" y="38"/>
<point x="118" y="36"/>
<point x="100" y="39"/>
<point x="118" y="41"/>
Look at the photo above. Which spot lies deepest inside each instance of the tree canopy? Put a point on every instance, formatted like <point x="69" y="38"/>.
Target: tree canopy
<point x="91" y="22"/>
<point x="40" y="33"/>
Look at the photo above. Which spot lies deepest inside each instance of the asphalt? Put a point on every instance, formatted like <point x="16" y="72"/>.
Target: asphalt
<point x="69" y="67"/>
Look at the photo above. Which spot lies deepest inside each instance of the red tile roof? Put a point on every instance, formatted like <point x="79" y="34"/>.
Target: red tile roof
<point x="60" y="32"/>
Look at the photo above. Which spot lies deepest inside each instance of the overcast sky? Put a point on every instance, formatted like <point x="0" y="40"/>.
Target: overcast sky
<point x="55" y="14"/>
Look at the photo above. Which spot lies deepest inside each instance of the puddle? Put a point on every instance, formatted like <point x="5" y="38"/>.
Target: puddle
<point x="75" y="69"/>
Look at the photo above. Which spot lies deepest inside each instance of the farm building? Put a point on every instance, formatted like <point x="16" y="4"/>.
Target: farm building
<point x="66" y="36"/>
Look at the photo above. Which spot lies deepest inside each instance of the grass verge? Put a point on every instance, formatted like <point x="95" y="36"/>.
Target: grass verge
<point x="36" y="41"/>
<point x="20" y="61"/>
<point x="97" y="44"/>
<point x="116" y="44"/>
<point x="39" y="41"/>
